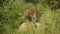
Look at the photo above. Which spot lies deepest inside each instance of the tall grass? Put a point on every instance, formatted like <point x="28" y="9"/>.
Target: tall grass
<point x="13" y="14"/>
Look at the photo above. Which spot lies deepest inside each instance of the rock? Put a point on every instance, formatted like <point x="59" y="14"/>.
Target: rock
<point x="28" y="25"/>
<point x="25" y="25"/>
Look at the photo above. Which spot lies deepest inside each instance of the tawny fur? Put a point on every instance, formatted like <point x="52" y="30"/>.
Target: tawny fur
<point x="34" y="17"/>
<point x="34" y="13"/>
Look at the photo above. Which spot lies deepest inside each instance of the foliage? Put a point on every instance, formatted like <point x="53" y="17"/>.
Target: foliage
<point x="13" y="14"/>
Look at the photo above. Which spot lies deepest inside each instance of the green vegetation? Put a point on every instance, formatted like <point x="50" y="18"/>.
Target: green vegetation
<point x="13" y="14"/>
